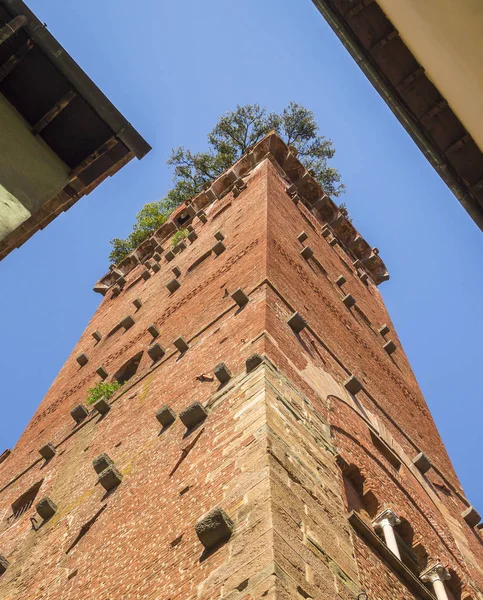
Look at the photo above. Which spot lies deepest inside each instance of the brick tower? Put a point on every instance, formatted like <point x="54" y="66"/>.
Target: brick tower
<point x="269" y="440"/>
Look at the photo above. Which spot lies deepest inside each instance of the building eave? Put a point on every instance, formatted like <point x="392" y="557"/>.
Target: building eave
<point x="459" y="163"/>
<point x="64" y="109"/>
<point x="79" y="80"/>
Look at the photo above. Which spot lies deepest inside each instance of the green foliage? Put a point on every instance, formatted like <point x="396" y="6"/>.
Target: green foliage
<point x="236" y="131"/>
<point x="344" y="211"/>
<point x="150" y="218"/>
<point x="102" y="390"/>
<point x="180" y="235"/>
<point x="233" y="134"/>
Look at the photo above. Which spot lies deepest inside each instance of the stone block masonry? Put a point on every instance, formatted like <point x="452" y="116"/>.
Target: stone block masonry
<point x="231" y="459"/>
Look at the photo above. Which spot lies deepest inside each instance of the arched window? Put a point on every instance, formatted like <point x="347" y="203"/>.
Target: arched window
<point x="128" y="369"/>
<point x="405" y="540"/>
<point x="358" y="494"/>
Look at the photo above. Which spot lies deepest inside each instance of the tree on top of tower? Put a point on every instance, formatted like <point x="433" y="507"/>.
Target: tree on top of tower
<point x="233" y="134"/>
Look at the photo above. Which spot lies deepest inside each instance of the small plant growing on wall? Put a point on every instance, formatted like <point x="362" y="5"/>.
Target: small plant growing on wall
<point x="102" y="390"/>
<point x="179" y="236"/>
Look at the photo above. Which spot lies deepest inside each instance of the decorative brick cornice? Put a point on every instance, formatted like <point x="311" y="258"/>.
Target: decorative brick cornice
<point x="301" y="186"/>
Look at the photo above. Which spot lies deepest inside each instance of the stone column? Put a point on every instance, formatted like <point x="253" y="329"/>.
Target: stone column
<point x="437" y="575"/>
<point x="386" y="520"/>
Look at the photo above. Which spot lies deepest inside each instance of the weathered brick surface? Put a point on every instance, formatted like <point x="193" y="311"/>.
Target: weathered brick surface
<point x="284" y="450"/>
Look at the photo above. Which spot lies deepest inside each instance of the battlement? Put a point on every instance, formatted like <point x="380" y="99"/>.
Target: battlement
<point x="301" y="186"/>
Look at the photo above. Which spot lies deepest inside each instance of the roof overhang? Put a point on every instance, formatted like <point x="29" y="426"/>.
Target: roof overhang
<point x="382" y="53"/>
<point x="62" y="106"/>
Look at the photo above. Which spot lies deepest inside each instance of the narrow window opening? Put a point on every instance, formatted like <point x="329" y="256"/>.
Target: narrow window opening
<point x="359" y="495"/>
<point x="405" y="535"/>
<point x="421" y="556"/>
<point x="24" y="503"/>
<point x="454" y="587"/>
<point x="199" y="260"/>
<point x="128" y="370"/>
<point x="370" y="503"/>
<point x="181" y="220"/>
<point x="353" y="486"/>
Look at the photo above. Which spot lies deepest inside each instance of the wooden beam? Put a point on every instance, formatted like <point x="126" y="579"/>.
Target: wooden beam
<point x="432" y="112"/>
<point x="360" y="6"/>
<point x="459" y="143"/>
<point x="111" y="171"/>
<point x="476" y="186"/>
<point x="385" y="40"/>
<point x="11" y="28"/>
<point x="103" y="148"/>
<point x="53" y="112"/>
<point x="409" y="79"/>
<point x="10" y="64"/>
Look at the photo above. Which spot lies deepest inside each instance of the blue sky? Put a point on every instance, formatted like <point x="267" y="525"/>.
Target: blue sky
<point x="172" y="68"/>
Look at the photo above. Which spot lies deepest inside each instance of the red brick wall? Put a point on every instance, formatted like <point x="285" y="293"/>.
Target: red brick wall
<point x="266" y="453"/>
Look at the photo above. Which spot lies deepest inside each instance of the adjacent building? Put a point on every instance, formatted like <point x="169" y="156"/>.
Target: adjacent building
<point x="267" y="438"/>
<point x="424" y="58"/>
<point x="61" y="137"/>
